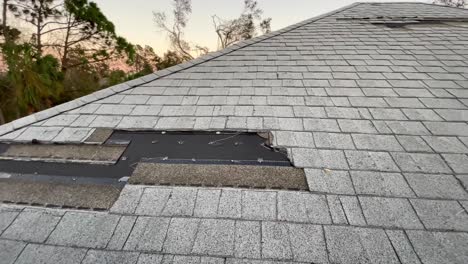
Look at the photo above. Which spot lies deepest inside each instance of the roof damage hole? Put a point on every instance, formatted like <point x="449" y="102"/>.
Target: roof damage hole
<point x="202" y="148"/>
<point x="227" y="159"/>
<point x="96" y="154"/>
<point x="244" y="176"/>
<point x="221" y="159"/>
<point x="99" y="136"/>
<point x="406" y="22"/>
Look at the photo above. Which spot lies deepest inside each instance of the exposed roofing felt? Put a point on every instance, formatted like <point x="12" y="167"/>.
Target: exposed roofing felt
<point x="377" y="116"/>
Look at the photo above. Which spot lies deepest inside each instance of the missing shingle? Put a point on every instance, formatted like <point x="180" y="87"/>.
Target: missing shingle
<point x="240" y="176"/>
<point x="408" y="22"/>
<point x="234" y="159"/>
<point x="227" y="147"/>
<point x="95" y="154"/>
<point x="52" y="194"/>
<point x="99" y="136"/>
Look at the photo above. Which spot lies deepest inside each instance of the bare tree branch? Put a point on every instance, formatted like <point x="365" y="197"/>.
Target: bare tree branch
<point x="241" y="28"/>
<point x="452" y="3"/>
<point x="175" y="31"/>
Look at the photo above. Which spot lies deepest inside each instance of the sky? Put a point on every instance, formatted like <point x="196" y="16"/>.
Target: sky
<point x="134" y="19"/>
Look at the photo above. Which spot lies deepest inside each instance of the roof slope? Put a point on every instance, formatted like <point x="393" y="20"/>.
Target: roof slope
<point x="384" y="109"/>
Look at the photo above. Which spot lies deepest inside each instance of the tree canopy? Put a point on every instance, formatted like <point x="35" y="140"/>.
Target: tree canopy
<point x="452" y="3"/>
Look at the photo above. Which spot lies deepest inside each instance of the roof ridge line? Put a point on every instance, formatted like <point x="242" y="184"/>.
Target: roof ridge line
<point x="409" y="2"/>
<point x="116" y="89"/>
<point x="433" y="4"/>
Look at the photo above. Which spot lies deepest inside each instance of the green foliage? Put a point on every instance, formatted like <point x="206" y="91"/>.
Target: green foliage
<point x="77" y="83"/>
<point x="69" y="54"/>
<point x="34" y="11"/>
<point x="9" y="33"/>
<point x="116" y="77"/>
<point x="35" y="83"/>
<point x="86" y="24"/>
<point x="95" y="24"/>
<point x="90" y="13"/>
<point x="169" y="59"/>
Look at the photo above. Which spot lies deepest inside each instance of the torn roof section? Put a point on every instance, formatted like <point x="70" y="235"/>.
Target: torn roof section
<point x="325" y="74"/>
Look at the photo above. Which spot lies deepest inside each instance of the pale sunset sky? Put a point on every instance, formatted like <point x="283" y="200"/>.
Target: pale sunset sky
<point x="134" y="19"/>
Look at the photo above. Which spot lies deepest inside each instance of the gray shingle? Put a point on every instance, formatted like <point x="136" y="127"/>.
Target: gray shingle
<point x="97" y="256"/>
<point x="447" y="128"/>
<point x="307" y="243"/>
<point x="381" y="184"/>
<point x="402" y="246"/>
<point x="436" y="186"/>
<point x="34" y="253"/>
<point x="437" y="214"/>
<point x="446" y="144"/>
<point x="439" y="247"/>
<point x="413" y="144"/>
<point x="358" y="245"/>
<point x="181" y="235"/>
<point x="333" y="140"/>
<point x="328" y="181"/>
<point x="364" y="160"/>
<point x="10" y="250"/>
<point x="259" y="205"/>
<point x="215" y="237"/>
<point x="358" y="126"/>
<point x="248" y="239"/>
<point x="84" y="230"/>
<point x="148" y="234"/>
<point x="458" y="162"/>
<point x="33" y="226"/>
<point x="419" y="162"/>
<point x="376" y="142"/>
<point x="389" y="212"/>
<point x="336" y="210"/>
<point x="315" y="158"/>
<point x="276" y="241"/>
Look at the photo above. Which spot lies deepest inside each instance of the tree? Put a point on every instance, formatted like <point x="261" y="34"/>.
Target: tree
<point x="169" y="59"/>
<point x="87" y="29"/>
<point x="72" y="24"/>
<point x="66" y="57"/>
<point x="4" y="21"/>
<point x="145" y="59"/>
<point x="83" y="78"/>
<point x="116" y="77"/>
<point x="452" y="3"/>
<point x="175" y="31"/>
<point x="35" y="82"/>
<point x="39" y="13"/>
<point x="9" y="33"/>
<point x="5" y="32"/>
<point x="242" y="28"/>
<point x="4" y="14"/>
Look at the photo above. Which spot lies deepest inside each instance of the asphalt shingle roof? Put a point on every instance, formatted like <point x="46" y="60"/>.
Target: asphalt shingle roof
<point x="377" y="116"/>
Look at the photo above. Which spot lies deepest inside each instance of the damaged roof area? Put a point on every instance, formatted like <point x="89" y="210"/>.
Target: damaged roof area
<point x="221" y="159"/>
<point x="373" y="118"/>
